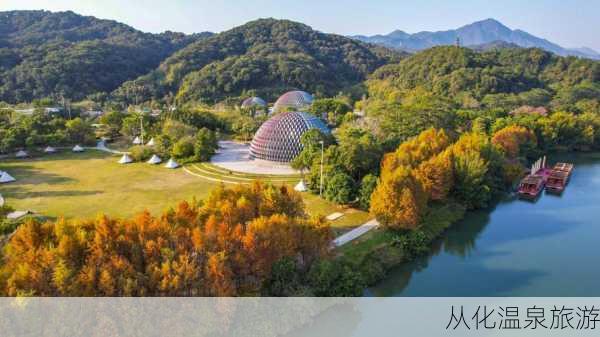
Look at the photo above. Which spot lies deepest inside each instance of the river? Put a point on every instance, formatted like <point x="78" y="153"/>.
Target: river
<point x="550" y="247"/>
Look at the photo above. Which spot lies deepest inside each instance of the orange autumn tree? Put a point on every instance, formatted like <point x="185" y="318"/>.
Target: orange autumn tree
<point x="224" y="247"/>
<point x="513" y="141"/>
<point x="407" y="180"/>
<point x="436" y="175"/>
<point x="512" y="138"/>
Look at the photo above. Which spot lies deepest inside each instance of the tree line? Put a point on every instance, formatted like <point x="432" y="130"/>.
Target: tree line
<point x="240" y="241"/>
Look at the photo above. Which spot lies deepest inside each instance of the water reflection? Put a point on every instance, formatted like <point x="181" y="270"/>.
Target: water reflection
<point x="516" y="249"/>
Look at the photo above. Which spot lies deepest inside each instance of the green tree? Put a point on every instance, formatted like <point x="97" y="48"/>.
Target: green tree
<point x="205" y="145"/>
<point x="334" y="109"/>
<point x="333" y="278"/>
<point x="80" y="132"/>
<point x="311" y="148"/>
<point x="367" y="186"/>
<point x="285" y="279"/>
<point x="184" y="148"/>
<point x="340" y="188"/>
<point x="113" y="121"/>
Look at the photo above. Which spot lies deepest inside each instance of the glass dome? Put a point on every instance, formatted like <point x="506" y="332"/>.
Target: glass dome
<point x="278" y="139"/>
<point x="253" y="101"/>
<point x="294" y="100"/>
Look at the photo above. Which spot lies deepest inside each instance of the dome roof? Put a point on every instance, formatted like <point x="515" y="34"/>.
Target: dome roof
<point x="278" y="139"/>
<point x="296" y="100"/>
<point x="253" y="101"/>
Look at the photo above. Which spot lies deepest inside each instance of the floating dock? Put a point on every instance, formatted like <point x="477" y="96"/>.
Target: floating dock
<point x="559" y="177"/>
<point x="533" y="184"/>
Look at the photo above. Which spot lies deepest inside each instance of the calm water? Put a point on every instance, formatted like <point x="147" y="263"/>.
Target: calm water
<point x="547" y="248"/>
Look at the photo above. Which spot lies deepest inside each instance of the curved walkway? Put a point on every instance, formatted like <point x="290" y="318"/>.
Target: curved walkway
<point x="231" y="177"/>
<point x="101" y="146"/>
<point x="188" y="171"/>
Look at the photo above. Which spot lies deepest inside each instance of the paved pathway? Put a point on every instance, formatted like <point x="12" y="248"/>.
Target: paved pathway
<point x="355" y="233"/>
<point x="235" y="156"/>
<point x="339" y="241"/>
<point x="102" y="147"/>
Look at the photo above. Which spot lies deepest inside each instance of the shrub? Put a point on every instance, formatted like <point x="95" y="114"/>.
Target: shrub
<point x="141" y="153"/>
<point x="340" y="188"/>
<point x="335" y="278"/>
<point x="184" y="148"/>
<point x="413" y="244"/>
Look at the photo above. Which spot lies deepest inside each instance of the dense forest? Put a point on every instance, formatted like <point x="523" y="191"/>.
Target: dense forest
<point x="45" y="54"/>
<point x="265" y="56"/>
<point x="500" y="78"/>
<point x="446" y="86"/>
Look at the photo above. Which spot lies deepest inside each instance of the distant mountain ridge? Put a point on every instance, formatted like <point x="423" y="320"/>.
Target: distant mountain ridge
<point x="475" y="34"/>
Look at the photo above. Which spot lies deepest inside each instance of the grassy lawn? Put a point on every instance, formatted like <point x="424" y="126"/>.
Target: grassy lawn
<point x="87" y="184"/>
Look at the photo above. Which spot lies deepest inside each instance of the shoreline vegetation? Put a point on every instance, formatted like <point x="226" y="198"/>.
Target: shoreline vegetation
<point x="418" y="140"/>
<point x="380" y="251"/>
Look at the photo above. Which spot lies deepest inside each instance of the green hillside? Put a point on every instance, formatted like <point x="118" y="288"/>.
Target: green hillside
<point x="45" y="54"/>
<point x="265" y="56"/>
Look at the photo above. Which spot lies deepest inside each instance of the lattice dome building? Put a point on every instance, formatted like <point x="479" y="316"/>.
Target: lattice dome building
<point x="293" y="100"/>
<point x="254" y="102"/>
<point x="278" y="139"/>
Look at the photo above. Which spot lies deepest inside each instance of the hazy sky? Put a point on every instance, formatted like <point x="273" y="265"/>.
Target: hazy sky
<point x="570" y="23"/>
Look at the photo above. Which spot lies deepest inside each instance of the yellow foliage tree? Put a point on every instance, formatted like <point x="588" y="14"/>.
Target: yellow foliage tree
<point x="436" y="175"/>
<point x="399" y="201"/>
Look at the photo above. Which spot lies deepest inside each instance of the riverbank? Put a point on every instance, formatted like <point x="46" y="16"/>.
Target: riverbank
<point x="514" y="248"/>
<point x="381" y="250"/>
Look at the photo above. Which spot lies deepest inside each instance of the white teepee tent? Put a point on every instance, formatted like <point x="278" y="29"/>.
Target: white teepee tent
<point x="126" y="159"/>
<point x="151" y="142"/>
<point x="49" y="149"/>
<point x="154" y="160"/>
<point x="22" y="154"/>
<point x="6" y="178"/>
<point x="301" y="187"/>
<point x="78" y="148"/>
<point x="137" y="141"/>
<point x="172" y="164"/>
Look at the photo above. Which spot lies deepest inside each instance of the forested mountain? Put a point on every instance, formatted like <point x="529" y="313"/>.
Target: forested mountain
<point x="266" y="56"/>
<point x="513" y="76"/>
<point x="493" y="46"/>
<point x="441" y="86"/>
<point x="477" y="33"/>
<point x="48" y="54"/>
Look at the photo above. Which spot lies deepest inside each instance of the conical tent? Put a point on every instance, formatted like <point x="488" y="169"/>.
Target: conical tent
<point x="172" y="164"/>
<point x="77" y="148"/>
<point x="151" y="142"/>
<point x="137" y="141"/>
<point x="49" y="149"/>
<point x="154" y="160"/>
<point x="21" y="154"/>
<point x="6" y="178"/>
<point x="126" y="159"/>
<point x="301" y="187"/>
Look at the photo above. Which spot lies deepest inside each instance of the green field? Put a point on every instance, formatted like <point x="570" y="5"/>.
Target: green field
<point x="87" y="184"/>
